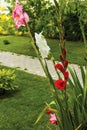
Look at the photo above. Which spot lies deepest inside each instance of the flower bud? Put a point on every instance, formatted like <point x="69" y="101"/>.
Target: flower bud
<point x="66" y="63"/>
<point x="59" y="67"/>
<point x="48" y="111"/>
<point x="66" y="75"/>
<point x="64" y="52"/>
<point x="61" y="57"/>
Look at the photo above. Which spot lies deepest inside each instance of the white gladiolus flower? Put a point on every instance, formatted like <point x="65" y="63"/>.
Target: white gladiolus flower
<point x="42" y="45"/>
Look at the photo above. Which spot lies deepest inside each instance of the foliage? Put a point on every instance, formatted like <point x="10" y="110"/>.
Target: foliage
<point x="42" y="18"/>
<point x="71" y="24"/>
<point x="7" y="25"/>
<point x="6" y="42"/>
<point x="75" y="9"/>
<point x="75" y="106"/>
<point x="7" y="77"/>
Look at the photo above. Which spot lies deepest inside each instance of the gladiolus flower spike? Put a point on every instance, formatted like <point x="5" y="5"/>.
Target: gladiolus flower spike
<point x="61" y="84"/>
<point x="20" y="17"/>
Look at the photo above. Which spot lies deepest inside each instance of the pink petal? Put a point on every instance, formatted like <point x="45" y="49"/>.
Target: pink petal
<point x="26" y="17"/>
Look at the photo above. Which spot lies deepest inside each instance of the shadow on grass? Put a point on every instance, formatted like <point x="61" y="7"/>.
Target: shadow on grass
<point x="8" y="94"/>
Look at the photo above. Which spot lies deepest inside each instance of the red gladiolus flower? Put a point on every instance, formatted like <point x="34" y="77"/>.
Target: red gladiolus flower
<point x="59" y="66"/>
<point x="48" y="111"/>
<point x="53" y="119"/>
<point x="60" y="84"/>
<point x="66" y="75"/>
<point x="66" y="63"/>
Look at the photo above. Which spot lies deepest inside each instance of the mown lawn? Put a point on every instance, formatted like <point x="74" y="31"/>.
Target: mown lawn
<point x="22" y="45"/>
<point x="18" y="44"/>
<point x="18" y="111"/>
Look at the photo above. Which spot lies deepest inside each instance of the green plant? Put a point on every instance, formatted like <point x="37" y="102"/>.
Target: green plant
<point x="7" y="77"/>
<point x="6" y="42"/>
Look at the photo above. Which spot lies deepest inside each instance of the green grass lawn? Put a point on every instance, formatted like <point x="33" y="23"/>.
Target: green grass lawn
<point x="20" y="110"/>
<point x="21" y="45"/>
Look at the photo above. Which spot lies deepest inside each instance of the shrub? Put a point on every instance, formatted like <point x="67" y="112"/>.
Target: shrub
<point x="72" y="28"/>
<point x="7" y="76"/>
<point x="6" y="42"/>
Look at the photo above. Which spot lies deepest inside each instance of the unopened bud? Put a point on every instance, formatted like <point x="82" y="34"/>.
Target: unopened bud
<point x="61" y="57"/>
<point x="64" y="52"/>
<point x="66" y="63"/>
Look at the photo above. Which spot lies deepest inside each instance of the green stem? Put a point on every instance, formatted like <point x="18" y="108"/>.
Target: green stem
<point x="66" y="101"/>
<point x="61" y="33"/>
<point x="53" y="61"/>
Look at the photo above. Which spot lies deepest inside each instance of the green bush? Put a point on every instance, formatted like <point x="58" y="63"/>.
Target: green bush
<point x="7" y="76"/>
<point x="72" y="28"/>
<point x="43" y="18"/>
<point x="6" y="42"/>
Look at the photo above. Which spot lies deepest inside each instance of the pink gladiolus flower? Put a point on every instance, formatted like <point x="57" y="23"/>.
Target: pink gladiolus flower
<point x="53" y="119"/>
<point x="20" y="18"/>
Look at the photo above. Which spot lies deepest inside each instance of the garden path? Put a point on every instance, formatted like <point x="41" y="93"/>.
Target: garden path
<point x="30" y="65"/>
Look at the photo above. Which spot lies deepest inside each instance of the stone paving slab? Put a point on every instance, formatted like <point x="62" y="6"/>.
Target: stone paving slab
<point x="31" y="65"/>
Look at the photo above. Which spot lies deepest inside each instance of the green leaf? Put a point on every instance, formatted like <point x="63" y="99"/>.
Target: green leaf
<point x="83" y="74"/>
<point x="78" y="82"/>
<point x="66" y="121"/>
<point x="85" y="90"/>
<point x="76" y="113"/>
<point x="74" y="82"/>
<point x="40" y="116"/>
